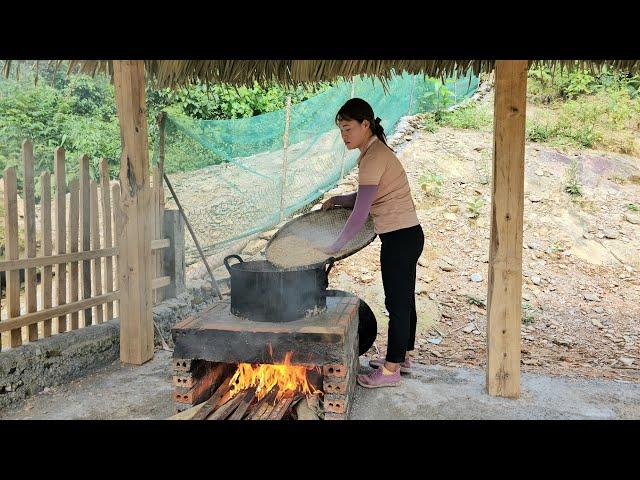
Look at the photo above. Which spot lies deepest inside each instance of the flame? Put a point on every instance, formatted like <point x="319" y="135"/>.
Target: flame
<point x="289" y="378"/>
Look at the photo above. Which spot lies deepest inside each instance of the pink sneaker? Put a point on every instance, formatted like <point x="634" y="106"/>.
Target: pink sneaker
<point x="377" y="379"/>
<point x="405" y="367"/>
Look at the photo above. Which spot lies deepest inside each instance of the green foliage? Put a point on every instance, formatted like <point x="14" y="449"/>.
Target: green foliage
<point x="470" y="117"/>
<point x="78" y="112"/>
<point x="573" y="187"/>
<point x="528" y="316"/>
<point x="472" y="300"/>
<point x="633" y="207"/>
<point x="474" y="206"/>
<point x="431" y="183"/>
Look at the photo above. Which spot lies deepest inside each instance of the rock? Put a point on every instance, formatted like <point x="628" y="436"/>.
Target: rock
<point x="445" y="266"/>
<point x="597" y="323"/>
<point x="422" y="262"/>
<point x="469" y="328"/>
<point x="476" y="332"/>
<point x="534" y="199"/>
<point x="432" y="296"/>
<point x="612" y="234"/>
<point x="532" y="245"/>
<point x="449" y="216"/>
<point x="526" y="297"/>
<point x="588" y="236"/>
<point x="600" y="235"/>
<point x="420" y="290"/>
<point x="536" y="280"/>
<point x="626" y="360"/>
<point x="592" y="297"/>
<point x="540" y="172"/>
<point x="453" y="208"/>
<point x="476" y="277"/>
<point x="598" y="309"/>
<point x="631" y="218"/>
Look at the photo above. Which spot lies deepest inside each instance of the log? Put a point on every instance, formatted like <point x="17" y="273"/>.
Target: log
<point x="265" y="405"/>
<point x="282" y="406"/>
<point x="244" y="405"/>
<point x="227" y="409"/>
<point x="211" y="404"/>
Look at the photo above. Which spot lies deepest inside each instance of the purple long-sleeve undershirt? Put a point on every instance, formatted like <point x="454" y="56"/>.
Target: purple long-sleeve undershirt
<point x="363" y="200"/>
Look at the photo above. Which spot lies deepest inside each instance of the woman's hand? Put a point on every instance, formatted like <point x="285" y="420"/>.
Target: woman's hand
<point x="329" y="204"/>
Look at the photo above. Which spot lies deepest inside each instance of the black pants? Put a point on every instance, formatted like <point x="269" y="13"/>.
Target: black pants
<point x="398" y="259"/>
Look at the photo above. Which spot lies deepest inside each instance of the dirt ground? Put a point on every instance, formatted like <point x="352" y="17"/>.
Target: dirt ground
<point x="580" y="258"/>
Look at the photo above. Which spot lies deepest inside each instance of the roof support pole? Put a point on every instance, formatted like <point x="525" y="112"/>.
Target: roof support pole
<point x="504" y="308"/>
<point x="136" y="320"/>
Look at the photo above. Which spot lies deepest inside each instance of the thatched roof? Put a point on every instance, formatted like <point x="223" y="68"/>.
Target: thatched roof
<point x="172" y="73"/>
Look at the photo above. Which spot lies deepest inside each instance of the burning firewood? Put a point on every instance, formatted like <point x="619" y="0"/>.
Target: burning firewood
<point x="244" y="404"/>
<point x="225" y="410"/>
<point x="264" y="406"/>
<point x="213" y="402"/>
<point x="283" y="406"/>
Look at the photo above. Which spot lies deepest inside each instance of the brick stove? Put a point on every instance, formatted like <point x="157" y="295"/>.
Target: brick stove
<point x="210" y="345"/>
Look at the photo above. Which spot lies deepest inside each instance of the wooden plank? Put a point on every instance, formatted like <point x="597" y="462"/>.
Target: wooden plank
<point x="174" y="263"/>
<point x="189" y="413"/>
<point x="96" y="281"/>
<point x="158" y="207"/>
<point x="30" y="233"/>
<point x="74" y="222"/>
<point x="212" y="403"/>
<point x="117" y="230"/>
<point x="160" y="282"/>
<point x="244" y="405"/>
<point x="227" y="409"/>
<point x="505" y="255"/>
<point x="29" y="318"/>
<point x="265" y="406"/>
<point x="282" y="406"/>
<point x="107" y="235"/>
<point x="159" y="244"/>
<point x="47" y="247"/>
<point x="61" y="232"/>
<point x="85" y="234"/>
<point x="54" y="259"/>
<point x="136" y="321"/>
<point x="11" y="251"/>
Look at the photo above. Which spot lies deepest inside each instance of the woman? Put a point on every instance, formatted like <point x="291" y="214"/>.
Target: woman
<point x="383" y="191"/>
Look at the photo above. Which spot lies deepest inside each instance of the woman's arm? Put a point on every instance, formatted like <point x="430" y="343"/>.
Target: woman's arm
<point x="347" y="200"/>
<point x="364" y="199"/>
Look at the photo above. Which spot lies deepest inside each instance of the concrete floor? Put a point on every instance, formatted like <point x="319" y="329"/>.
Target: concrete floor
<point x="430" y="393"/>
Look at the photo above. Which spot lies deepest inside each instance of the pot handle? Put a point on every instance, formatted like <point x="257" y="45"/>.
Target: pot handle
<point x="226" y="261"/>
<point x="329" y="263"/>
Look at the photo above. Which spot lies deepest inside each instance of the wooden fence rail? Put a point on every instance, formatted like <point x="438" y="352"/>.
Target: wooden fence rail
<point x="70" y="256"/>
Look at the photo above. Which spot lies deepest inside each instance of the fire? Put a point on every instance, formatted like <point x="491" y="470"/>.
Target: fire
<point x="289" y="378"/>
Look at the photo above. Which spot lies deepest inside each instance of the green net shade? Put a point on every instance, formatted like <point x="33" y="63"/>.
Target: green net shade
<point x="231" y="176"/>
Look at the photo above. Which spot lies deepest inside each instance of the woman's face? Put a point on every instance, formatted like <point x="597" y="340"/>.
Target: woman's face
<point x="354" y="134"/>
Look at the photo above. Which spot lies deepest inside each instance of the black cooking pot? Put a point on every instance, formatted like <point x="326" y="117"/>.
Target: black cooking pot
<point x="264" y="293"/>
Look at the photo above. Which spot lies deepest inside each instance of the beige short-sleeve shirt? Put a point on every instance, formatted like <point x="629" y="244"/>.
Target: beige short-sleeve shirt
<point x="393" y="208"/>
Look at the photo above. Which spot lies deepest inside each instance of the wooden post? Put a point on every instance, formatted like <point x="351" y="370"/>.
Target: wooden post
<point x="96" y="280"/>
<point x="61" y="232"/>
<point x="283" y="173"/>
<point x="11" y="251"/>
<point x="74" y="222"/>
<point x="30" y="234"/>
<point x="505" y="255"/>
<point x="85" y="234"/>
<point x="117" y="227"/>
<point x="174" y="255"/>
<point x="136" y="321"/>
<point x="47" y="271"/>
<point x="106" y="223"/>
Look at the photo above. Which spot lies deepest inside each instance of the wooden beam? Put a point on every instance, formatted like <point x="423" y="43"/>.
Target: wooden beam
<point x="136" y="321"/>
<point x="64" y="309"/>
<point x="55" y="259"/>
<point x="47" y="246"/>
<point x="61" y="232"/>
<point x="505" y="255"/>
<point x="85" y="234"/>
<point x="12" y="251"/>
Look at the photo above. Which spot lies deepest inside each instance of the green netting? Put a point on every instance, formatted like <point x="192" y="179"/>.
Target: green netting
<point x="231" y="176"/>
